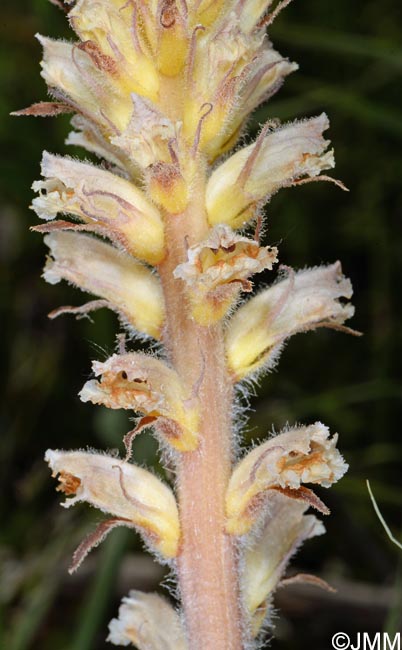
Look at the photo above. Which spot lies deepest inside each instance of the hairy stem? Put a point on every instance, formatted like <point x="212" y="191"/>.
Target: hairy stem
<point x="207" y="562"/>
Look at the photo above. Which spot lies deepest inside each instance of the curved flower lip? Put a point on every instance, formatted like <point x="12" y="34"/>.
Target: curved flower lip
<point x="142" y="383"/>
<point x="127" y="286"/>
<point x="122" y="489"/>
<point x="148" y="133"/>
<point x="218" y="267"/>
<point x="300" y="302"/>
<point x="285" y="462"/>
<point x="104" y="201"/>
<point x="253" y="174"/>
<point x="149" y="622"/>
<point x="285" y="528"/>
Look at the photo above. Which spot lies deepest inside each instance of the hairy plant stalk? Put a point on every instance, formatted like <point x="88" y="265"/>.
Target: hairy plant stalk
<point x="166" y="232"/>
<point x="207" y="570"/>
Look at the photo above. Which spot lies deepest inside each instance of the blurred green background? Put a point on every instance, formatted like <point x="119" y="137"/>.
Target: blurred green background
<point x="350" y="56"/>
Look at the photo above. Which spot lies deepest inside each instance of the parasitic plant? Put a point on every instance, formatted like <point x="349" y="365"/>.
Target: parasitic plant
<point x="166" y="231"/>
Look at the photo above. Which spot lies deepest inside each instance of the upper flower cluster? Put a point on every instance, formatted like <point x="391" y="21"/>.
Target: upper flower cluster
<point x="161" y="89"/>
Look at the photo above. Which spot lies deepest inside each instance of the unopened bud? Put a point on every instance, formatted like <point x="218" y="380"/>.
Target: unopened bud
<point x="166" y="186"/>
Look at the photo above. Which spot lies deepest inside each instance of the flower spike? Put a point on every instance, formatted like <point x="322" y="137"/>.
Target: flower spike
<point x="160" y="92"/>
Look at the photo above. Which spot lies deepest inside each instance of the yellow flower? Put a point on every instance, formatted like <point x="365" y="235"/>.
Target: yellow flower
<point x="300" y="302"/>
<point x="125" y="285"/>
<point x="131" y="494"/>
<point x="284" y="463"/>
<point x="142" y="383"/>
<point x="218" y="268"/>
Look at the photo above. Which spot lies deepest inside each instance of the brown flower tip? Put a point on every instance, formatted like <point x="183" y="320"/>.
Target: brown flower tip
<point x="68" y="483"/>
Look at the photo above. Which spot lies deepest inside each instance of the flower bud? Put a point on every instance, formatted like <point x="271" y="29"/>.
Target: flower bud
<point x="284" y="462"/>
<point x="149" y="622"/>
<point x="285" y="528"/>
<point x="167" y="187"/>
<point x="127" y="286"/>
<point x="108" y="203"/>
<point x="256" y="172"/>
<point x="218" y="268"/>
<point x="142" y="383"/>
<point x="297" y="303"/>
<point x="124" y="490"/>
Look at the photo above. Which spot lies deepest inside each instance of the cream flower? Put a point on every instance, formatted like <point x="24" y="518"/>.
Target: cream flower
<point x="218" y="268"/>
<point x="254" y="173"/>
<point x="285" y="462"/>
<point x="131" y="494"/>
<point x="109" y="204"/>
<point x="300" y="302"/>
<point x="142" y="383"/>
<point x="124" y="284"/>
<point x="148" y="622"/>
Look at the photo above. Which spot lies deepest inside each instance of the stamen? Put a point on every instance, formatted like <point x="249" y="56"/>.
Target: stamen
<point x="193" y="45"/>
<point x="198" y="131"/>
